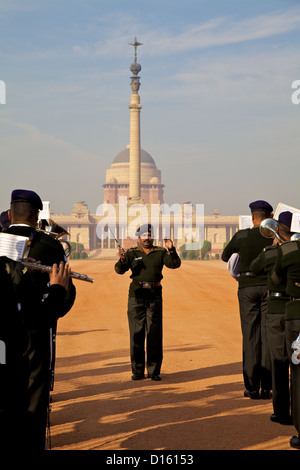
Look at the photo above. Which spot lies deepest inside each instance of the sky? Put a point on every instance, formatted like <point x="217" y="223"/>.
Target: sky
<point x="216" y="93"/>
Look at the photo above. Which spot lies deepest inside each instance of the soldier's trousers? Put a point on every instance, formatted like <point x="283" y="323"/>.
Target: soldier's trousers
<point x="292" y="330"/>
<point x="145" y="321"/>
<point x="256" y="355"/>
<point x="280" y="364"/>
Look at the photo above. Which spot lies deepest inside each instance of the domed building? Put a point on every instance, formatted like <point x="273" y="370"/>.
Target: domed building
<point x="134" y="175"/>
<point x="117" y="179"/>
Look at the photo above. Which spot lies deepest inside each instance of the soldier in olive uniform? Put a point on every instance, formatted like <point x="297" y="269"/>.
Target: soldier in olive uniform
<point x="145" y="300"/>
<point x="276" y="302"/>
<point x="287" y="268"/>
<point x="252" y="296"/>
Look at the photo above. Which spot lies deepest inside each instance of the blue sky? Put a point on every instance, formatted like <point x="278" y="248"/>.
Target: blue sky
<point x="217" y="115"/>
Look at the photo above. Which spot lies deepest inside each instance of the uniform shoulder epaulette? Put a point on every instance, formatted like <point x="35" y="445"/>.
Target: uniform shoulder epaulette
<point x="270" y="247"/>
<point x="134" y="248"/>
<point x="289" y="247"/>
<point x="138" y="248"/>
<point x="272" y="252"/>
<point x="243" y="233"/>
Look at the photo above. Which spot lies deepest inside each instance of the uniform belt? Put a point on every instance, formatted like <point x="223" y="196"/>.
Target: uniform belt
<point x="247" y="273"/>
<point x="294" y="298"/>
<point x="147" y="284"/>
<point x="275" y="294"/>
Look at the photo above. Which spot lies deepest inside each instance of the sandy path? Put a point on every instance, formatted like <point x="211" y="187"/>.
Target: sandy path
<point x="199" y="403"/>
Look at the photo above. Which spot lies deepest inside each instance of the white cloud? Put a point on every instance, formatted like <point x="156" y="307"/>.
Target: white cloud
<point x="216" y="32"/>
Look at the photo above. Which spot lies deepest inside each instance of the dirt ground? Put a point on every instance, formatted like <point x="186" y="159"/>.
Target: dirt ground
<point x="199" y="403"/>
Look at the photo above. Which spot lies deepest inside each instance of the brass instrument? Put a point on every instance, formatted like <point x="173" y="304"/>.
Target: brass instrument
<point x="48" y="269"/>
<point x="268" y="229"/>
<point x="56" y="231"/>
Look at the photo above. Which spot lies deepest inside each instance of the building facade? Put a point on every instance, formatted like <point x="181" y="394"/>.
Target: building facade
<point x="132" y="191"/>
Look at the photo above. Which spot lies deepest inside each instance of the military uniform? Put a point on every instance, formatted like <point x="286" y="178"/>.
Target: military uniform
<point x="276" y="303"/>
<point x="252" y="296"/>
<point x="18" y="389"/>
<point x="287" y="267"/>
<point x="145" y="305"/>
<point x="48" y="251"/>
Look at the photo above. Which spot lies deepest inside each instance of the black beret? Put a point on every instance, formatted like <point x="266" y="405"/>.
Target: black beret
<point x="285" y="218"/>
<point x="260" y="206"/>
<point x="143" y="229"/>
<point x="23" y="195"/>
<point x="4" y="220"/>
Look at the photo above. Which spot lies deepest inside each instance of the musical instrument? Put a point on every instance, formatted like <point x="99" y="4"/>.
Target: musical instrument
<point x="54" y="230"/>
<point x="295" y="237"/>
<point x="268" y="229"/>
<point x="48" y="269"/>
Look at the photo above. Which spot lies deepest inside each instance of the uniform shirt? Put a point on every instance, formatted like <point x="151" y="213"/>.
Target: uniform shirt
<point x="43" y="248"/>
<point x="264" y="263"/>
<point x="248" y="243"/>
<point x="287" y="267"/>
<point x="147" y="267"/>
<point x="48" y="251"/>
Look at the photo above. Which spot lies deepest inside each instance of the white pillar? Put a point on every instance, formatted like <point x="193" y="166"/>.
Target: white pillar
<point x="135" y="149"/>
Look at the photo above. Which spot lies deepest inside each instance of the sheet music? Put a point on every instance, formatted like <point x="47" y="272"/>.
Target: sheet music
<point x="295" y="226"/>
<point x="45" y="212"/>
<point x="245" y="221"/>
<point x="285" y="207"/>
<point x="12" y="246"/>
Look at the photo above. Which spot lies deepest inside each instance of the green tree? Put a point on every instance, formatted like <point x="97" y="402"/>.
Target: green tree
<point x="77" y="251"/>
<point x="189" y="251"/>
<point x="205" y="249"/>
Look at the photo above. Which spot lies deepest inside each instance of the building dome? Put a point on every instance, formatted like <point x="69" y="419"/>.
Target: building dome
<point x="118" y="175"/>
<point x="123" y="157"/>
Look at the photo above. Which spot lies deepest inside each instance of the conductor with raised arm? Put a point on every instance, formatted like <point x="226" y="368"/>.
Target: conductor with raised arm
<point x="146" y="262"/>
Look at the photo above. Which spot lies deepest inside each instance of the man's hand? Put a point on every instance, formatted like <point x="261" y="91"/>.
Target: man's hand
<point x="60" y="275"/>
<point x="122" y="254"/>
<point x="169" y="243"/>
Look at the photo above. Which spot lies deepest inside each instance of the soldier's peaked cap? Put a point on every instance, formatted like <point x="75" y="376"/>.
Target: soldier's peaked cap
<point x="260" y="206"/>
<point x="24" y="195"/>
<point x="143" y="229"/>
<point x="285" y="218"/>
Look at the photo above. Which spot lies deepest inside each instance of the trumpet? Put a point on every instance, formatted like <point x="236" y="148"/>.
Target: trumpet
<point x="48" y="269"/>
<point x="54" y="230"/>
<point x="268" y="229"/>
<point x="295" y="237"/>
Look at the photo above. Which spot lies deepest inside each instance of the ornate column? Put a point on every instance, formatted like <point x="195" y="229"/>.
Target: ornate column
<point x="135" y="133"/>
